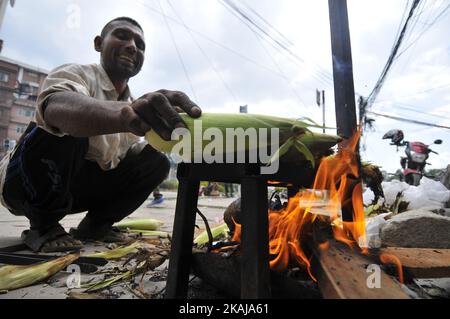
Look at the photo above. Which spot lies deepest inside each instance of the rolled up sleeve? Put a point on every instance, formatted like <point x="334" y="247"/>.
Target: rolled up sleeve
<point x="66" y="78"/>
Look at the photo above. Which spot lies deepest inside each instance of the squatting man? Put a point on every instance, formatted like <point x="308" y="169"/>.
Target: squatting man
<point x="84" y="152"/>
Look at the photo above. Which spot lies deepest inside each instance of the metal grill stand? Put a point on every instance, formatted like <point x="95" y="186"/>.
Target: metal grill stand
<point x="255" y="275"/>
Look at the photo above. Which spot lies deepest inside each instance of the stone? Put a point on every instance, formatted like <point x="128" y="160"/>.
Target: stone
<point x="446" y="177"/>
<point x="435" y="287"/>
<point x="417" y="229"/>
<point x="446" y="181"/>
<point x="446" y="212"/>
<point x="442" y="211"/>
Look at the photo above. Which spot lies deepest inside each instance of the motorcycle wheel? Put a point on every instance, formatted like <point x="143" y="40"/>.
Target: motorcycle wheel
<point x="413" y="179"/>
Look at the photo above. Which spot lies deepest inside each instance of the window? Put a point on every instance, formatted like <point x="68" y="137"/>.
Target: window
<point x="9" y="144"/>
<point x="3" y="96"/>
<point x="34" y="91"/>
<point x="33" y="75"/>
<point x="26" y="112"/>
<point x="20" y="129"/>
<point x="28" y="91"/>
<point x="4" y="77"/>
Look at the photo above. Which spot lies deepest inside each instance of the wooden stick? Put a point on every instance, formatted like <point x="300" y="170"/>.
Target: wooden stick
<point x="422" y="262"/>
<point x="342" y="272"/>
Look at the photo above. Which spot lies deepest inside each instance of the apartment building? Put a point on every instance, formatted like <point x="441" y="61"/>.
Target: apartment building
<point x="19" y="87"/>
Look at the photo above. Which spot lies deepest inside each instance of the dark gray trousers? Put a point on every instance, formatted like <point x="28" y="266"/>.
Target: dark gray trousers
<point x="48" y="178"/>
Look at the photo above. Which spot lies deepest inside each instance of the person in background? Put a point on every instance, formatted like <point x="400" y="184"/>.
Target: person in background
<point x="158" y="199"/>
<point x="229" y="190"/>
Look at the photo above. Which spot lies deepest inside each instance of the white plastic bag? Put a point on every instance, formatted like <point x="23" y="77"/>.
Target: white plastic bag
<point x="391" y="189"/>
<point x="436" y="191"/>
<point x="429" y="193"/>
<point x="373" y="227"/>
<point x="368" y="197"/>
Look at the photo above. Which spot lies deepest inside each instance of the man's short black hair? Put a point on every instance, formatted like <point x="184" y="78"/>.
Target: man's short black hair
<point x="108" y="26"/>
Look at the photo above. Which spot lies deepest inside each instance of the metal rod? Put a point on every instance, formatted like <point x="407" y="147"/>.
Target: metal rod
<point x="323" y="110"/>
<point x="344" y="91"/>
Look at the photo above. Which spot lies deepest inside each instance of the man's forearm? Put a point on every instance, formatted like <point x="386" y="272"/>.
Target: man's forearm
<point x="82" y="116"/>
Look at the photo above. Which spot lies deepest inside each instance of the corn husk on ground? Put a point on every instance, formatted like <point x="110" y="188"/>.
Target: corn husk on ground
<point x="15" y="277"/>
<point x="155" y="233"/>
<point x="220" y="230"/>
<point x="293" y="134"/>
<point x="142" y="224"/>
<point x="145" y="259"/>
<point x="117" y="253"/>
<point x="145" y="227"/>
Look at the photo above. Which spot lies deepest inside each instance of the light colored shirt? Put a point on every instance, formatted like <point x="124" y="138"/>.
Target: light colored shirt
<point x="90" y="80"/>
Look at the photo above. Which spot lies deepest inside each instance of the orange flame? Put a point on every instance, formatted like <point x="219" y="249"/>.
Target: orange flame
<point x="324" y="246"/>
<point x="391" y="259"/>
<point x="237" y="231"/>
<point x="338" y="176"/>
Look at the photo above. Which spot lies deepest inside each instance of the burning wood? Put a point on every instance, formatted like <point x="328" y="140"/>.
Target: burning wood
<point x="346" y="274"/>
<point x="419" y="262"/>
<point x="386" y="258"/>
<point x="337" y="191"/>
<point x="339" y="265"/>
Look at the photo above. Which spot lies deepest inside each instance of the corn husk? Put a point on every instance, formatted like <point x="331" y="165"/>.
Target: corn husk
<point x="109" y="282"/>
<point x="83" y="296"/>
<point x="117" y="253"/>
<point x="144" y="224"/>
<point x="221" y="230"/>
<point x="15" y="277"/>
<point x="145" y="261"/>
<point x="307" y="145"/>
<point x="155" y="233"/>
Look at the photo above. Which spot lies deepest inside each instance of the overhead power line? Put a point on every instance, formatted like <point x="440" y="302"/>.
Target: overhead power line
<point x="219" y="75"/>
<point x="441" y="14"/>
<point x="397" y="118"/>
<point x="217" y="43"/>
<point x="414" y="94"/>
<point x="178" y="52"/>
<point x="320" y="75"/>
<point x="277" y="66"/>
<point x="413" y="108"/>
<point x="388" y="65"/>
<point x="282" y="36"/>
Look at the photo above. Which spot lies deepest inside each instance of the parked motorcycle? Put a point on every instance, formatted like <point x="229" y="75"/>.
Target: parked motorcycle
<point x="417" y="154"/>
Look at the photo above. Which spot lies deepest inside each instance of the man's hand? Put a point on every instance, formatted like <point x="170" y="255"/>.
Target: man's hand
<point x="159" y="111"/>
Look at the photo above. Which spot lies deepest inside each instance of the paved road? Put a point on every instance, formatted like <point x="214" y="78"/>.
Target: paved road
<point x="12" y="226"/>
<point x="212" y="207"/>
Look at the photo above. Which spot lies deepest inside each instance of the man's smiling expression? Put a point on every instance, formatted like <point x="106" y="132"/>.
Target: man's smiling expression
<point x="122" y="50"/>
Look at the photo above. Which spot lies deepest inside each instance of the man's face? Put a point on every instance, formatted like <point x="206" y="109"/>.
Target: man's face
<point x="122" y="50"/>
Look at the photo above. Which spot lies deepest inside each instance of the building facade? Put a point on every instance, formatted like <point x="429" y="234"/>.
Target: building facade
<point x="19" y="87"/>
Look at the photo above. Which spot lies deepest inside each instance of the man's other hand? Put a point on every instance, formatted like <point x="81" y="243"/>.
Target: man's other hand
<point x="159" y="111"/>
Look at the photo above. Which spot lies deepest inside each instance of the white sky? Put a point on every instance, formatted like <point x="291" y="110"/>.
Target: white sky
<point x="228" y="65"/>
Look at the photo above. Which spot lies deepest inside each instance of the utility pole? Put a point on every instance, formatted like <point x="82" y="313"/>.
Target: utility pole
<point x="3" y="5"/>
<point x="320" y="99"/>
<point x="344" y="91"/>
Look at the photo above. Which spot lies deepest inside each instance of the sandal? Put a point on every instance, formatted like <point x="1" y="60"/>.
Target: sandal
<point x="55" y="239"/>
<point x="111" y="235"/>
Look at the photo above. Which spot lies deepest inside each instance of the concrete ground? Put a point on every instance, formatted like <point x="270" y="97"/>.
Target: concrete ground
<point x="12" y="226"/>
<point x="154" y="282"/>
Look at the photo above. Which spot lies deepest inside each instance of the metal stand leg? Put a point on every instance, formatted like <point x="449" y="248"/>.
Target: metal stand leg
<point x="183" y="234"/>
<point x="255" y="274"/>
